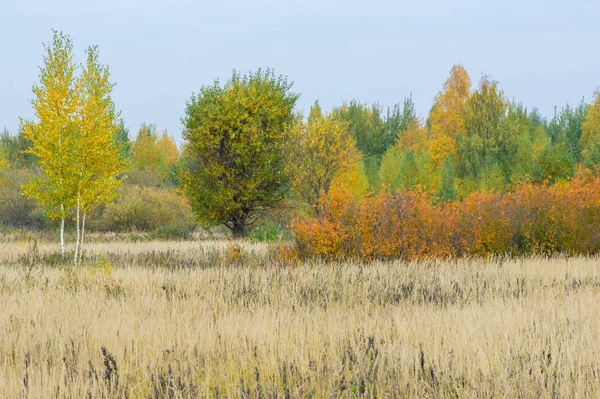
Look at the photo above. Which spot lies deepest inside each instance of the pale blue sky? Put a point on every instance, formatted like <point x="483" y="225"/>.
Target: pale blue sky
<point x="543" y="53"/>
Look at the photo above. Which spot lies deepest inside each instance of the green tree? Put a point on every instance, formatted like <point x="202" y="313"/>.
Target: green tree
<point x="524" y="143"/>
<point x="15" y="147"/>
<point x="555" y="163"/>
<point x="123" y="141"/>
<point x="447" y="189"/>
<point x="485" y="141"/>
<point x="237" y="135"/>
<point x="389" y="172"/>
<point x="567" y="126"/>
<point x="373" y="132"/>
<point x="408" y="172"/>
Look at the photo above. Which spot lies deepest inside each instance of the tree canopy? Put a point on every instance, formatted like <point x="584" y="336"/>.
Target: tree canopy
<point x="237" y="136"/>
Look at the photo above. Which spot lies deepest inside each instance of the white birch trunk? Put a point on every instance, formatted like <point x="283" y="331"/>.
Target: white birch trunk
<point x="62" y="233"/>
<point x="76" y="253"/>
<point x="82" y="235"/>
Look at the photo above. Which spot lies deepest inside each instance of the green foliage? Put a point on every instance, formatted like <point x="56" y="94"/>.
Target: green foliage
<point x="123" y="142"/>
<point x="525" y="142"/>
<point x="374" y="133"/>
<point x="556" y="163"/>
<point x="268" y="231"/>
<point x="14" y="148"/>
<point x="147" y="209"/>
<point x="592" y="154"/>
<point x="409" y="171"/>
<point x="16" y="210"/>
<point x="447" y="189"/>
<point x="236" y="148"/>
<point x="485" y="142"/>
<point x="567" y="126"/>
<point x="389" y="170"/>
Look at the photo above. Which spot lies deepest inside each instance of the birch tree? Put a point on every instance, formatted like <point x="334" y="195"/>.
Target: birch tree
<point x="98" y="157"/>
<point x="53" y="134"/>
<point x="73" y="137"/>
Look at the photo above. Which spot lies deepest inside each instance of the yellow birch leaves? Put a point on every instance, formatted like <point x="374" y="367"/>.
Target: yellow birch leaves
<point x="73" y="136"/>
<point x="447" y="116"/>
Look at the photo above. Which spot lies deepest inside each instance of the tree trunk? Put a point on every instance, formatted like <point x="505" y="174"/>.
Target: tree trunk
<point x="75" y="255"/>
<point x="62" y="233"/>
<point x="238" y="228"/>
<point x="82" y="235"/>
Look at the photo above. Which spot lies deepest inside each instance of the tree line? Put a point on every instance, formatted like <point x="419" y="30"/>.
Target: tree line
<point x="250" y="154"/>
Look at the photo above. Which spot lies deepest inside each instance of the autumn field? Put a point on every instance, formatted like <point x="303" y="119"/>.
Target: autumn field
<point x="218" y="319"/>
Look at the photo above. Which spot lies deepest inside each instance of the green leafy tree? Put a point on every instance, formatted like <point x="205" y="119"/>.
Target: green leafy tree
<point x="389" y="172"/>
<point x="485" y="142"/>
<point x="373" y="132"/>
<point x="399" y="120"/>
<point x="15" y="147"/>
<point x="123" y="141"/>
<point x="555" y="163"/>
<point x="524" y="143"/>
<point x="409" y="171"/>
<point x="447" y="189"/>
<point x="237" y="135"/>
<point x="567" y="126"/>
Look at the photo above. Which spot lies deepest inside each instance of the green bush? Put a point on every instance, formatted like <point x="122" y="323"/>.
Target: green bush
<point x="269" y="231"/>
<point x="16" y="210"/>
<point x="148" y="209"/>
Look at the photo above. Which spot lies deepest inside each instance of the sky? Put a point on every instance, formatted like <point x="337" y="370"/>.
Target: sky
<point x="543" y="53"/>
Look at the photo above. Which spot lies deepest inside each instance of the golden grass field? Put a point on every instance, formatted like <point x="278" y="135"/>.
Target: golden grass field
<point x="134" y="325"/>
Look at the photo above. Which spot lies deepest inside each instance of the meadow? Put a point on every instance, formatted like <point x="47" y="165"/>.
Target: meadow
<point x="144" y="319"/>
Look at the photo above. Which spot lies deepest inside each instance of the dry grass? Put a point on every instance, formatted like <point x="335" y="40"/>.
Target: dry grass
<point x="10" y="250"/>
<point x="503" y="328"/>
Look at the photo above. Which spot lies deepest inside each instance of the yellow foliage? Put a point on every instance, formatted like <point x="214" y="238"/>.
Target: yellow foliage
<point x="321" y="153"/>
<point x="169" y="148"/>
<point x="591" y="125"/>
<point x="413" y="138"/>
<point x="354" y="179"/>
<point x="447" y="116"/>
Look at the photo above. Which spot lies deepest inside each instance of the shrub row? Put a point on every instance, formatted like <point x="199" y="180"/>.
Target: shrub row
<point x="531" y="219"/>
<point x="138" y="208"/>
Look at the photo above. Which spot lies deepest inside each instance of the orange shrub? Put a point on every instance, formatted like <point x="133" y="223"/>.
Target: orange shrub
<point x="536" y="219"/>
